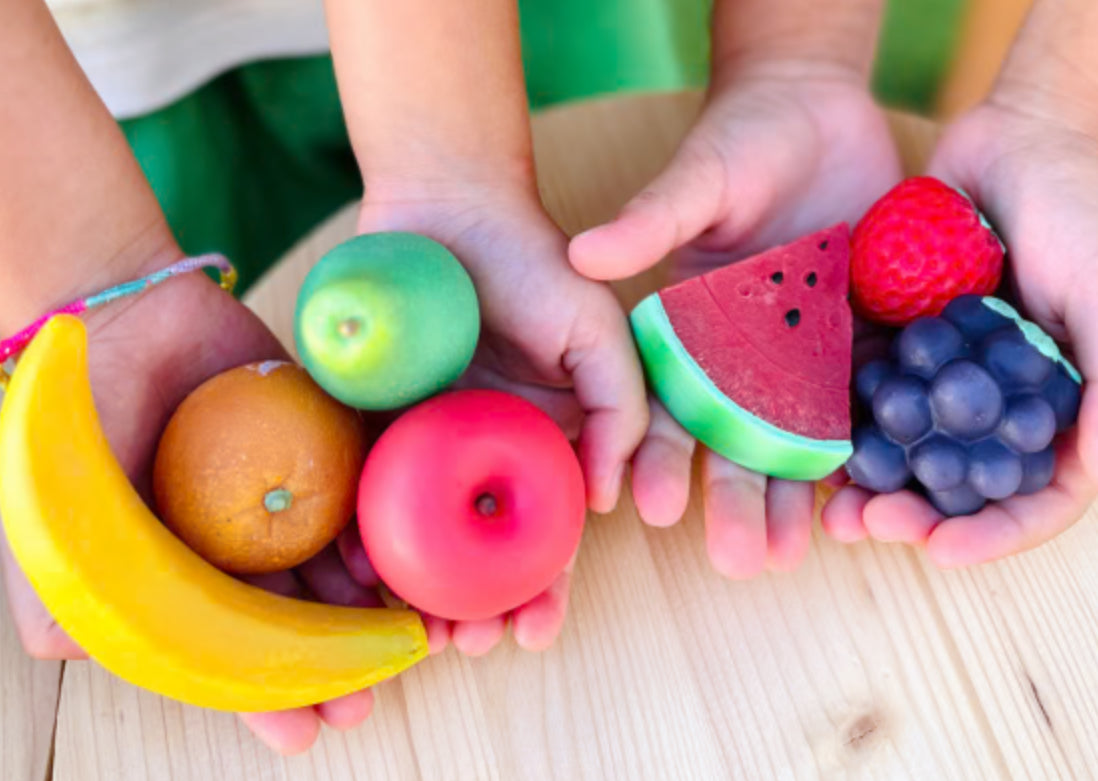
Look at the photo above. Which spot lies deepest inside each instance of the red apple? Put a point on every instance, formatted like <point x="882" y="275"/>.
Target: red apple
<point x="471" y="504"/>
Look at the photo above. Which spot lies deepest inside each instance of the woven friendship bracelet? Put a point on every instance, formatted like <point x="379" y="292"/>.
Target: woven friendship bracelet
<point x="13" y="345"/>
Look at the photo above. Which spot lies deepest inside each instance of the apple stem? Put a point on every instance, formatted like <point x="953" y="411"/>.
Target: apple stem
<point x="277" y="500"/>
<point x="487" y="505"/>
<point x="350" y="327"/>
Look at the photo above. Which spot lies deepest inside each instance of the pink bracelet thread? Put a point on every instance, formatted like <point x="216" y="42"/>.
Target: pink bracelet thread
<point x="13" y="345"/>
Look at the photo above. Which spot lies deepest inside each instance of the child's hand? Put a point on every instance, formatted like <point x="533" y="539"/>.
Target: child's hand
<point x="1036" y="177"/>
<point x="548" y="334"/>
<point x="779" y="152"/>
<point x="183" y="331"/>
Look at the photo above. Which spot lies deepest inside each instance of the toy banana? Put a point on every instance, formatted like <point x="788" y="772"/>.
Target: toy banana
<point x="136" y="598"/>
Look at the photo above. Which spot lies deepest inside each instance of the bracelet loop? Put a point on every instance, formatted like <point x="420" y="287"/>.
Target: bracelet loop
<point x="13" y="345"/>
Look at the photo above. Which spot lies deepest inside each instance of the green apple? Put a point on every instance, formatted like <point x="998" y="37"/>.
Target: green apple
<point x="386" y="319"/>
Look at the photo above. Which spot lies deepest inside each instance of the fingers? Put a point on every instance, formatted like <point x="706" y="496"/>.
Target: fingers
<point x="1021" y="522"/>
<point x="355" y="559"/>
<point x="329" y="580"/>
<point x="284" y="583"/>
<point x="476" y="638"/>
<point x="661" y="469"/>
<point x="438" y="633"/>
<point x="842" y="516"/>
<point x="1084" y="337"/>
<point x="39" y="634"/>
<point x="287" y="732"/>
<point x="347" y="712"/>
<point x="536" y="624"/>
<point x="900" y="517"/>
<point x="789" y="510"/>
<point x="735" y="518"/>
<point x="677" y="206"/>
<point x="609" y="385"/>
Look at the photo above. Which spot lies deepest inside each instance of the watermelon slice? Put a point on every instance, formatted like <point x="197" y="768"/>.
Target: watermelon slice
<point x="754" y="359"/>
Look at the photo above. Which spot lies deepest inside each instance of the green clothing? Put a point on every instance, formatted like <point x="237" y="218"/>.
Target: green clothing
<point x="250" y="162"/>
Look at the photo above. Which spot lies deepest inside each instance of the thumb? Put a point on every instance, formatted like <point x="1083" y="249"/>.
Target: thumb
<point x="39" y="634"/>
<point x="1084" y="337"/>
<point x="678" y="205"/>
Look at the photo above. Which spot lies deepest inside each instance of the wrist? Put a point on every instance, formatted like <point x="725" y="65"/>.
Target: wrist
<point x="831" y="40"/>
<point x="1051" y="72"/>
<point x="61" y="275"/>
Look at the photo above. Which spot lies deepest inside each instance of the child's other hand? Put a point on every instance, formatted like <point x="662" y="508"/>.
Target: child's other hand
<point x="548" y="334"/>
<point x="1036" y="177"/>
<point x="780" y="150"/>
<point x="184" y="332"/>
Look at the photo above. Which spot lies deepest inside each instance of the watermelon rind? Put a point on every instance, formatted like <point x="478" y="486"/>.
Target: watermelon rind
<point x="717" y="421"/>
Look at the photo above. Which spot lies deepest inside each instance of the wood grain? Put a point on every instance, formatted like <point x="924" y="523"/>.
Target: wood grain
<point x="864" y="664"/>
<point x="28" y="705"/>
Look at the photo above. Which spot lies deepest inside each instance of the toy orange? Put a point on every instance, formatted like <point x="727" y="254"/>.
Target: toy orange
<point x="257" y="470"/>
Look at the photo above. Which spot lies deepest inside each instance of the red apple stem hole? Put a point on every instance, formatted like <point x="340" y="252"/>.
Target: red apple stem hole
<point x="487" y="505"/>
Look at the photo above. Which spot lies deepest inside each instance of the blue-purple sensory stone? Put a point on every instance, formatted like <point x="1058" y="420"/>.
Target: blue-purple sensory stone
<point x="967" y="409"/>
<point x="939" y="463"/>
<point x="994" y="470"/>
<point x="1013" y="361"/>
<point x="966" y="400"/>
<point x="927" y="344"/>
<point x="877" y="464"/>
<point x="1037" y="469"/>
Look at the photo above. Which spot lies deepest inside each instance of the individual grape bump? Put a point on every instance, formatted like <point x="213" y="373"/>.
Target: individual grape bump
<point x="869" y="377"/>
<point x="939" y="463"/>
<point x="927" y="344"/>
<point x="966" y="400"/>
<point x="962" y="500"/>
<point x="1013" y="361"/>
<point x="1028" y="425"/>
<point x="1037" y="469"/>
<point x="877" y="464"/>
<point x="994" y="470"/>
<point x="975" y="320"/>
<point x="902" y="409"/>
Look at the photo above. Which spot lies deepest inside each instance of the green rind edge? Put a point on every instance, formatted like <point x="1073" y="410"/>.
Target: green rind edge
<point x="716" y="420"/>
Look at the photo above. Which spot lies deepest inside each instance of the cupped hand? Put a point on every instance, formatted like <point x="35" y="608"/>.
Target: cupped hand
<point x="778" y="152"/>
<point x="548" y="335"/>
<point x="146" y="354"/>
<point x="1035" y="175"/>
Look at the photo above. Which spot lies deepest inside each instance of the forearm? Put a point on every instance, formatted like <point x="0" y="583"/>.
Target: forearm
<point x="432" y="91"/>
<point x="794" y="37"/>
<point x="75" y="210"/>
<point x="1052" y="68"/>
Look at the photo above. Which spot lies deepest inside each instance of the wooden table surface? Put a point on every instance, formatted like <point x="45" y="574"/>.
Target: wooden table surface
<point x="866" y="663"/>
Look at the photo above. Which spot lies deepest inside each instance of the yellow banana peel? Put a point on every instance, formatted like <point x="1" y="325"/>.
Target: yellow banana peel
<point x="136" y="598"/>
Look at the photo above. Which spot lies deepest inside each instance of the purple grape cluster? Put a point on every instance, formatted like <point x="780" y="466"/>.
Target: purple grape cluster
<point x="966" y="408"/>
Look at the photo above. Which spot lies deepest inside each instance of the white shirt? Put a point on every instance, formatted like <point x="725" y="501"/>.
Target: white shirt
<point x="141" y="55"/>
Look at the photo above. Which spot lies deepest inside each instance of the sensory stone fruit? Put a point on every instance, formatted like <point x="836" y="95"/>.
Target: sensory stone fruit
<point x="386" y="319"/>
<point x="966" y="408"/>
<point x="256" y="470"/>
<point x="753" y="359"/>
<point x="471" y="504"/>
<point x="132" y="595"/>
<point x="919" y="247"/>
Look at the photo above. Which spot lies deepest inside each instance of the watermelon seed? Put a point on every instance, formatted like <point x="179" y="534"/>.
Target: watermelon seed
<point x="810" y="280"/>
<point x="823" y="244"/>
<point x="777" y="277"/>
<point x="793" y="317"/>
